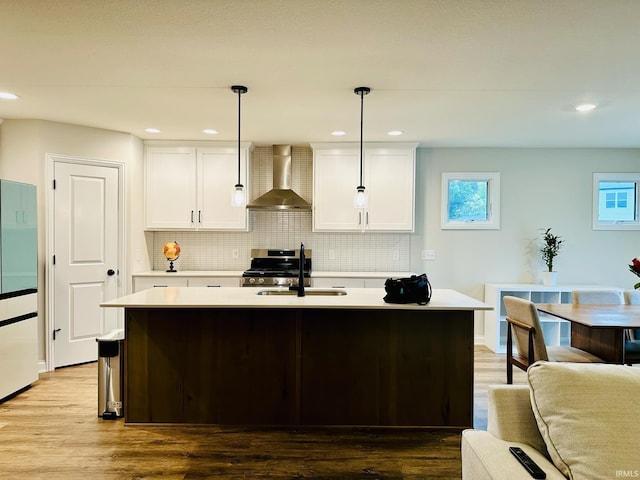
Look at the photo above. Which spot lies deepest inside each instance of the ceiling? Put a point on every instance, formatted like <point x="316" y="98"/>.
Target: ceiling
<point x="448" y="73"/>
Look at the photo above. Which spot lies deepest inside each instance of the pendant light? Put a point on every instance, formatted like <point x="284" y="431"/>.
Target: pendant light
<point x="360" y="198"/>
<point x="239" y="197"/>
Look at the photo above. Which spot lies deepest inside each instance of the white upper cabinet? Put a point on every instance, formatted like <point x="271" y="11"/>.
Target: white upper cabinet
<point x="190" y="187"/>
<point x="389" y="178"/>
<point x="335" y="175"/>
<point x="217" y="175"/>
<point x="170" y="187"/>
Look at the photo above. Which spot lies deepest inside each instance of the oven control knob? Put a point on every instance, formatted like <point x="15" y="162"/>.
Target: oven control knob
<point x="261" y="280"/>
<point x="290" y="281"/>
<point x="252" y="280"/>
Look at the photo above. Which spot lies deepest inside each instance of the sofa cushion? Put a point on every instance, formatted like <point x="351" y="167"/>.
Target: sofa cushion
<point x="589" y="417"/>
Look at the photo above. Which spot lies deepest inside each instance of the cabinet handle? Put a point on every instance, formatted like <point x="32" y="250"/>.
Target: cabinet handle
<point x="359" y="218"/>
<point x="199" y="216"/>
<point x="191" y="216"/>
<point x="214" y="286"/>
<point x="367" y="218"/>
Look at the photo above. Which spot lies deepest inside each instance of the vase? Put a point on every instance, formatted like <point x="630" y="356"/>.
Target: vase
<point x="550" y="279"/>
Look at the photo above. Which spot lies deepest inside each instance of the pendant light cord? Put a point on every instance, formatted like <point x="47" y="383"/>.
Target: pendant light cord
<point x="239" y="113"/>
<point x="361" y="130"/>
<point x="239" y="89"/>
<point x="362" y="91"/>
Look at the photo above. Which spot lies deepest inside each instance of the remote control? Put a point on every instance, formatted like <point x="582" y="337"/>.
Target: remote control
<point x="530" y="466"/>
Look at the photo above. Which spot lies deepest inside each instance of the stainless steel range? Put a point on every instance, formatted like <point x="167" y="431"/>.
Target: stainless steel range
<point x="276" y="268"/>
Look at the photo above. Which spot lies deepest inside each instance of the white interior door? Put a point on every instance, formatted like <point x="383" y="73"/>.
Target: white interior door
<point x="86" y="258"/>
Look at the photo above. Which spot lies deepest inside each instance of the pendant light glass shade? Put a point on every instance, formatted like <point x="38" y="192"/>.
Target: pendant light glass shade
<point x="360" y="197"/>
<point x="238" y="195"/>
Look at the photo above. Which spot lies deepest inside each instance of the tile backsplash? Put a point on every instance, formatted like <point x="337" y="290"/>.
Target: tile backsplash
<point x="362" y="252"/>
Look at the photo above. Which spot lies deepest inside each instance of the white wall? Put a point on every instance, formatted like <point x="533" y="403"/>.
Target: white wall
<point x="540" y="188"/>
<point x="23" y="148"/>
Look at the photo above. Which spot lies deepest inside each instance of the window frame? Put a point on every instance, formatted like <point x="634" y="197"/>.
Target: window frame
<point x="493" y="201"/>
<point x="598" y="224"/>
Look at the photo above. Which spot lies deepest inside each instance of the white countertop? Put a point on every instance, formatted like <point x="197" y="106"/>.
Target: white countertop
<point x="238" y="273"/>
<point x="237" y="297"/>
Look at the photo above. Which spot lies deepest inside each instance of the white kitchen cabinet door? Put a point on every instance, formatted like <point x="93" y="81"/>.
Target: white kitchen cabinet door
<point x="213" y="282"/>
<point x="337" y="282"/>
<point x="170" y="188"/>
<point x="217" y="175"/>
<point x="143" y="283"/>
<point x="189" y="187"/>
<point x="336" y="174"/>
<point x="389" y="177"/>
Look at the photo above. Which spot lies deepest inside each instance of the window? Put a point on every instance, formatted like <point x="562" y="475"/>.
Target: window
<point x="470" y="200"/>
<point x="615" y="201"/>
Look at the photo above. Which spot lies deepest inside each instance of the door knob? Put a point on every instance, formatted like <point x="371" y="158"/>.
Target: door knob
<point x="111" y="272"/>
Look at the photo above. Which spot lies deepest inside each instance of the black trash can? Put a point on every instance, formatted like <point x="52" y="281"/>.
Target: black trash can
<point x="110" y="375"/>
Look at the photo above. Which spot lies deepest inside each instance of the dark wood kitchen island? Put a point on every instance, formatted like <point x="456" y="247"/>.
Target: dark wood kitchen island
<point x="229" y="356"/>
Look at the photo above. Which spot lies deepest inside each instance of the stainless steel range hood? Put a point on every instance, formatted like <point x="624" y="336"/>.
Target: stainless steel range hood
<point x="281" y="197"/>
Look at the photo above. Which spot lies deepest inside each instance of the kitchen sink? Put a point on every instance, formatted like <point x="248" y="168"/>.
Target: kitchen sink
<point x="307" y="291"/>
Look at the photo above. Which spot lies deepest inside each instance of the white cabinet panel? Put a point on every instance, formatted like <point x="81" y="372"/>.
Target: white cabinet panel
<point x="338" y="282"/>
<point x="217" y="175"/>
<point x="348" y="282"/>
<point x="18" y="343"/>
<point x="214" y="282"/>
<point x="142" y="283"/>
<point x="170" y="187"/>
<point x="335" y="173"/>
<point x="390" y="182"/>
<point x="189" y="187"/>
<point x="374" y="282"/>
<point x="388" y="175"/>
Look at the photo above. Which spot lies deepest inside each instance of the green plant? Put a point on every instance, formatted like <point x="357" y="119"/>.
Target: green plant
<point x="550" y="248"/>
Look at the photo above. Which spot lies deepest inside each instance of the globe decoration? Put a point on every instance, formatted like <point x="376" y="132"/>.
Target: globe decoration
<point x="171" y="252"/>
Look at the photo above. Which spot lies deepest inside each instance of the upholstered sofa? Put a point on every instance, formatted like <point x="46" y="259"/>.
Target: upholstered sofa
<point x="577" y="421"/>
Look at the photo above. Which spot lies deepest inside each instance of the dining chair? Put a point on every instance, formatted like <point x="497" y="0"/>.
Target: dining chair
<point x="610" y="296"/>
<point x="524" y="329"/>
<point x="632" y="337"/>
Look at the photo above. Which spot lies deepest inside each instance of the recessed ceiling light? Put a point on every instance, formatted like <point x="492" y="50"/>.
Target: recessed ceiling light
<point x="8" y="96"/>
<point x="585" y="107"/>
<point x="395" y="133"/>
<point x="209" y="131"/>
<point x="338" y="133"/>
<point x="152" y="130"/>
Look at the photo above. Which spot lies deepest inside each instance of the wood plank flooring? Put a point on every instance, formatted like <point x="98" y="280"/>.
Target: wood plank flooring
<point x="51" y="431"/>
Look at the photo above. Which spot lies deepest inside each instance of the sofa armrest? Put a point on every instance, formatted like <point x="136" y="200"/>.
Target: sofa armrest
<point x="510" y="416"/>
<point x="485" y="457"/>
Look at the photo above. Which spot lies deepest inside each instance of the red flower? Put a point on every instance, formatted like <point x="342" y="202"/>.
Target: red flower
<point x="635" y="269"/>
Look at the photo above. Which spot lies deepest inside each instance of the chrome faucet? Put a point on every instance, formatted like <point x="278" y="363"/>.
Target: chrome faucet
<point x="300" y="287"/>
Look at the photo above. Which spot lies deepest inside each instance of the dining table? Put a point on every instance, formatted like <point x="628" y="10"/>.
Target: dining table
<point x="597" y="329"/>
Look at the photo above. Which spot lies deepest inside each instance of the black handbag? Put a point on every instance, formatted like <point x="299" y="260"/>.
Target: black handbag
<point x="414" y="289"/>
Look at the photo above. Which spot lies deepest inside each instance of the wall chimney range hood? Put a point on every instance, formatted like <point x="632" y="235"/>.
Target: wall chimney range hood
<point x="281" y="196"/>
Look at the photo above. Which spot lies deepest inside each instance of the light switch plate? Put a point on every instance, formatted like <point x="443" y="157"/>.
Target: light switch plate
<point x="428" y="254"/>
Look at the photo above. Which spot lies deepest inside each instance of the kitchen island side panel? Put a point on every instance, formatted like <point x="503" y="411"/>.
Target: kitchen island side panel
<point x="299" y="366"/>
<point x="212" y="366"/>
<point x="409" y="368"/>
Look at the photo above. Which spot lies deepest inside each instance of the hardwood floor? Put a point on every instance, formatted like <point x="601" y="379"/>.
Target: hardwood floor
<point x="51" y="431"/>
